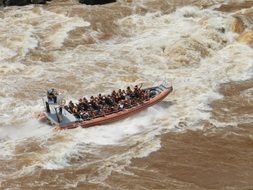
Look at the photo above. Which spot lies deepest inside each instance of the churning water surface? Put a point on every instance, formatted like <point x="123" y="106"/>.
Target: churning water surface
<point x="85" y="50"/>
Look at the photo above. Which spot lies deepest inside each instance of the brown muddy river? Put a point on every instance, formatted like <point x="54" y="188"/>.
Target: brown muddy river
<point x="199" y="138"/>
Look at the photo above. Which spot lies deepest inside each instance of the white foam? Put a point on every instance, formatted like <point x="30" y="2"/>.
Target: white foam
<point x="140" y="57"/>
<point x="20" y="32"/>
<point x="77" y="140"/>
<point x="6" y="53"/>
<point x="11" y="68"/>
<point x="67" y="25"/>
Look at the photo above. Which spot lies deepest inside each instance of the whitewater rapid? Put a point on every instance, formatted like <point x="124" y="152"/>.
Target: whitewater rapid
<point x="186" y="46"/>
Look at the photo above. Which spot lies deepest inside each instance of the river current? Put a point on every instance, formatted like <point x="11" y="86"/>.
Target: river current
<point x="199" y="137"/>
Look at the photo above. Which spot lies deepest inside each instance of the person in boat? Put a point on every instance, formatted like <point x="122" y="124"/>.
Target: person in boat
<point x="95" y="105"/>
<point x="123" y="95"/>
<point x="127" y="103"/>
<point x="144" y="96"/>
<point x="90" y="102"/>
<point x="102" y="104"/>
<point x="109" y="100"/>
<point x="105" y="109"/>
<point x="115" y="108"/>
<point x="134" y="102"/>
<point x="103" y="101"/>
<point x="92" y="98"/>
<point x="85" y="104"/>
<point x="99" y="96"/>
<point x="85" y="100"/>
<point x="66" y="107"/>
<point x="52" y="95"/>
<point x="100" y="99"/>
<point x="114" y="93"/>
<point x="116" y="98"/>
<point x="76" y="112"/>
<point x="108" y="110"/>
<point x="121" y="105"/>
<point x="85" y="115"/>
<point x="128" y="93"/>
<point x="82" y="106"/>
<point x="136" y="92"/>
<point x="71" y="106"/>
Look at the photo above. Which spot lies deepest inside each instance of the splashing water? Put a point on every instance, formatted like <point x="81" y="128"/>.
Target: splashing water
<point x="47" y="46"/>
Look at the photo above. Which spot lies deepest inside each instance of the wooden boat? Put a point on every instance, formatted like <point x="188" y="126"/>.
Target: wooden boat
<point x="62" y="119"/>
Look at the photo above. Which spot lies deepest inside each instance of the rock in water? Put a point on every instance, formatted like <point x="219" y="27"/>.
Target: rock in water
<point x="38" y="1"/>
<point x="21" y="2"/>
<point x="16" y="2"/>
<point x="96" y="2"/>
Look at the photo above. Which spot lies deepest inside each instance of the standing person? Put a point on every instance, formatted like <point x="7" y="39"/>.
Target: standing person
<point x="52" y="95"/>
